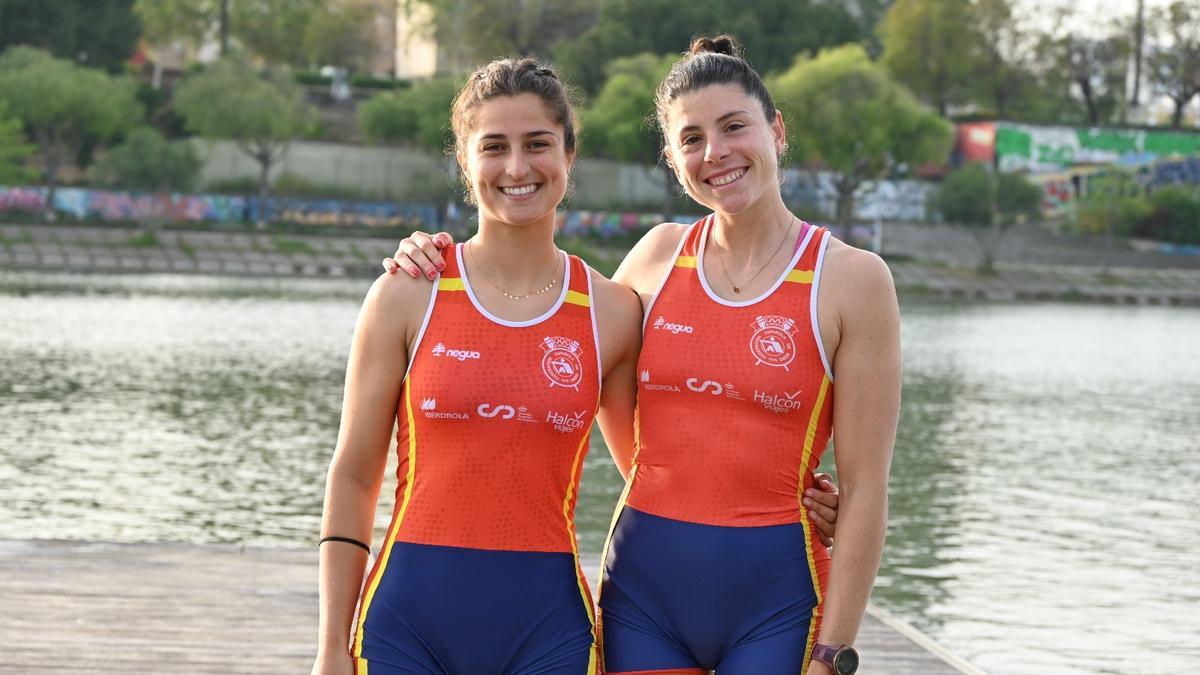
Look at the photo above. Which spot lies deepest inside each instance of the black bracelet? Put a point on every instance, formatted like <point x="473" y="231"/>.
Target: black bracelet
<point x="347" y="540"/>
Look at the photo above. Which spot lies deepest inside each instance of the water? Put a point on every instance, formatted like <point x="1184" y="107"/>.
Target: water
<point x="1045" y="501"/>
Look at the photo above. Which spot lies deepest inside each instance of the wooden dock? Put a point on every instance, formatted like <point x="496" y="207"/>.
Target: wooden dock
<point x="84" y="607"/>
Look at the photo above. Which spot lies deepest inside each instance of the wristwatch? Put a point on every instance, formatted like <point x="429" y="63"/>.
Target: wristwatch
<point x="842" y="660"/>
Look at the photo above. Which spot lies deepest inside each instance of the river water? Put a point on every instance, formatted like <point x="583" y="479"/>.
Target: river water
<point x="1045" y="494"/>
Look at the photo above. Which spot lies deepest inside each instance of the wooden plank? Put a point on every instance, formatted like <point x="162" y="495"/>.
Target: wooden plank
<point x="87" y="607"/>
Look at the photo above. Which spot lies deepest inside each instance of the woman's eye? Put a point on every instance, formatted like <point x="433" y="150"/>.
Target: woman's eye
<point x="689" y="140"/>
<point x="735" y="126"/>
<point x="538" y="145"/>
<point x="493" y="147"/>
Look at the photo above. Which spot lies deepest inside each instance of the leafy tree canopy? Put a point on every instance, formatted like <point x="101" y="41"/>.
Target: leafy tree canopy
<point x="931" y="47"/>
<point x="102" y="33"/>
<point x="620" y="121"/>
<point x="147" y="161"/>
<point x="13" y="150"/>
<point x="419" y="115"/>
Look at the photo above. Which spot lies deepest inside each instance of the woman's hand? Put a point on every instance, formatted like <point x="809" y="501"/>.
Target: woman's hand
<point x="822" y="505"/>
<point x="419" y="254"/>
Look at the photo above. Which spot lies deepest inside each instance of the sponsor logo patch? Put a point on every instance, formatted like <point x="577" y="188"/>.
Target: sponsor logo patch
<point x="429" y="407"/>
<point x="566" y="423"/>
<point x="461" y="354"/>
<point x="649" y="386"/>
<point x="661" y="323"/>
<point x="504" y="412"/>
<point x="785" y="403"/>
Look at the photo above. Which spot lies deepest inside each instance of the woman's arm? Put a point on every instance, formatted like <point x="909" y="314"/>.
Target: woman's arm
<point x="619" y="323"/>
<point x="374" y="374"/>
<point x="866" y="405"/>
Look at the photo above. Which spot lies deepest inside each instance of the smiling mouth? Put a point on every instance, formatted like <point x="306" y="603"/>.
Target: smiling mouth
<point x="520" y="190"/>
<point x="726" y="178"/>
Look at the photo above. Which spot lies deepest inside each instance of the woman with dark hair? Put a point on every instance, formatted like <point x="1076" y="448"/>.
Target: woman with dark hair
<point x="493" y="371"/>
<point x="712" y="562"/>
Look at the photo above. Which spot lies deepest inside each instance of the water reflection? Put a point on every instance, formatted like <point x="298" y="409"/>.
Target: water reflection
<point x="1045" y="490"/>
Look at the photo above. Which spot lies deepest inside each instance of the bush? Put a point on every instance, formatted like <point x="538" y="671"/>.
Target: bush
<point x="1175" y="215"/>
<point x="1092" y="217"/>
<point x="147" y="161"/>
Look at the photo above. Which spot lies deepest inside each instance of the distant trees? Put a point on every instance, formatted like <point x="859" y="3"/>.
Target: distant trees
<point x="62" y="105"/>
<point x="13" y="149"/>
<point x="147" y="161"/>
<point x="1175" y="69"/>
<point x="100" y="33"/>
<point x="988" y="202"/>
<point x="932" y="47"/>
<point x="845" y="114"/>
<point x="418" y="116"/>
<point x="260" y="113"/>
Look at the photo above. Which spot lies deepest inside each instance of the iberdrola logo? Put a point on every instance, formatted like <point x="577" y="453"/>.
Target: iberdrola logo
<point x="772" y="343"/>
<point x="560" y="362"/>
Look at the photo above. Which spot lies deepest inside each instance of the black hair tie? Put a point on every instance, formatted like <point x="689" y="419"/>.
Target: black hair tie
<point x="346" y="540"/>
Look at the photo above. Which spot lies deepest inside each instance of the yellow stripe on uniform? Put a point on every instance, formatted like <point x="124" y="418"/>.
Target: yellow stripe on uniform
<point x="577" y="298"/>
<point x="685" y="261"/>
<point x="580" y="451"/>
<point x="360" y="667"/>
<point x="451" y="284"/>
<point x="809" y="439"/>
<point x="800" y="276"/>
<point x="386" y="553"/>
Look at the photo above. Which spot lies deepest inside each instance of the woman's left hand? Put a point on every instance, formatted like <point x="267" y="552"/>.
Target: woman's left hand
<point x="822" y="506"/>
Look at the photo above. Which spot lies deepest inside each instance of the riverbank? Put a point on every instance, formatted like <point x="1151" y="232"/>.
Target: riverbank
<point x="184" y="608"/>
<point x="925" y="260"/>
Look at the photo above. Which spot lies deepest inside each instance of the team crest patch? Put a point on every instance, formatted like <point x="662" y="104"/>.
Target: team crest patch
<point x="772" y="343"/>
<point x="560" y="362"/>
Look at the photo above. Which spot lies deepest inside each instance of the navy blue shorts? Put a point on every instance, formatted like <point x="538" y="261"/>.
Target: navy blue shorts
<point x="458" y="611"/>
<point x="682" y="596"/>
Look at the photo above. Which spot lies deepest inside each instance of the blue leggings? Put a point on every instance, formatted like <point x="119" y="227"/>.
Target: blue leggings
<point x="686" y="596"/>
<point x="443" y="610"/>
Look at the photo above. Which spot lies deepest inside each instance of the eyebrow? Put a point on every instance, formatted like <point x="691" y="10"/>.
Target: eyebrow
<point x="722" y="118"/>
<point x="531" y="134"/>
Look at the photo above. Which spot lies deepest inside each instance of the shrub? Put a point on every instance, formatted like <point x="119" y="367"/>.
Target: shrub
<point x="147" y="161"/>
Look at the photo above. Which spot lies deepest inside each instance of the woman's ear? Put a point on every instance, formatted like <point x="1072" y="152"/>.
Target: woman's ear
<point x="780" y="132"/>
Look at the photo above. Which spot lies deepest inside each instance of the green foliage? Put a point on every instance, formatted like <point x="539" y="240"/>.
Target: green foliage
<point x="165" y="21"/>
<point x="418" y="116"/>
<point x="979" y="197"/>
<point x="339" y="34"/>
<point x="1124" y="214"/>
<point x="63" y="105"/>
<point x="929" y="45"/>
<point x="1175" y="215"/>
<point x="292" y="246"/>
<point x="845" y="114"/>
<point x="13" y="150"/>
<point x="147" y="161"/>
<point x="1175" y="69"/>
<point x="101" y="33"/>
<point x="484" y="29"/>
<point x="274" y="29"/>
<point x="620" y="121"/>
<point x="773" y="31"/>
<point x="231" y="100"/>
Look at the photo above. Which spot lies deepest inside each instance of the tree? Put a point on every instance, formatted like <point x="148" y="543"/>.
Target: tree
<point x="13" y="150"/>
<point x="417" y="116"/>
<point x="101" y="33"/>
<point x="191" y="22"/>
<point x="1094" y="67"/>
<point x="62" y="105"/>
<point x="1003" y="60"/>
<point x="484" y="29"/>
<point x="261" y="114"/>
<point x="273" y="29"/>
<point x="147" y="161"/>
<point x="1175" y="68"/>
<point x="340" y="35"/>
<point x="931" y="46"/>
<point x="988" y="202"/>
<point x="628" y="27"/>
<point x="847" y="116"/>
<point x="620" y="121"/>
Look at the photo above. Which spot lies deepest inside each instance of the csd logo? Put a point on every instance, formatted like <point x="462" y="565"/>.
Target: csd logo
<point x="701" y="387"/>
<point x="506" y="412"/>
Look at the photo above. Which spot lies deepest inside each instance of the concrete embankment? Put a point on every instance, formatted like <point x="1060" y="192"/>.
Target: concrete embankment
<point x="932" y="260"/>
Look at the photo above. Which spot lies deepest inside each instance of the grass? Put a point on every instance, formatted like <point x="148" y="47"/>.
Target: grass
<point x="145" y="240"/>
<point x="187" y="249"/>
<point x="292" y="246"/>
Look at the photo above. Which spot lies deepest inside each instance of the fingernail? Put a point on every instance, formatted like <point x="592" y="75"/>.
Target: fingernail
<point x="413" y="274"/>
<point x="431" y="275"/>
<point x="441" y="266"/>
<point x="808" y="492"/>
<point x="808" y="502"/>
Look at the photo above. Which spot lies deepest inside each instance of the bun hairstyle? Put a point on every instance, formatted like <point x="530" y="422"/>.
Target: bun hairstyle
<point x="709" y="61"/>
<point x="511" y="77"/>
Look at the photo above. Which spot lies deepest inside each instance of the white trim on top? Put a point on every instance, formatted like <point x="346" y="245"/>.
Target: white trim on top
<point x="566" y="285"/>
<point x="816" y="286"/>
<point x="587" y="271"/>
<point x="674" y="259"/>
<point x="416" y="345"/>
<point x="746" y="303"/>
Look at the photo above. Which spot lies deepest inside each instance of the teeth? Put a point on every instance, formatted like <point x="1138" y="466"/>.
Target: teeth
<point x="519" y="191"/>
<point x="728" y="178"/>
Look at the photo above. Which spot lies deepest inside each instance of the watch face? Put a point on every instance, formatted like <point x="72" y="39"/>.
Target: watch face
<point x="846" y="661"/>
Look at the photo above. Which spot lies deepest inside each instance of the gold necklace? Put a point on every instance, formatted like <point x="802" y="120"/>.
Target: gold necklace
<point x="737" y="288"/>
<point x="510" y="296"/>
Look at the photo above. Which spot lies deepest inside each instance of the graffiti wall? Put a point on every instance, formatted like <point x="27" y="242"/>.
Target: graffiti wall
<point x="878" y="200"/>
<point x="126" y="206"/>
<point x="1047" y="149"/>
